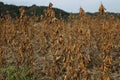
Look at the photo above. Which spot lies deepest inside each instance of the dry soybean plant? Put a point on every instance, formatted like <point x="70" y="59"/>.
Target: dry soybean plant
<point x="84" y="47"/>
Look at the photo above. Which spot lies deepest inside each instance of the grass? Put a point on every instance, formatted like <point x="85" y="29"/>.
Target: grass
<point x="11" y="72"/>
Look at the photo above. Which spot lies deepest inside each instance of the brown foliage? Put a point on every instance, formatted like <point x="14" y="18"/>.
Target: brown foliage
<point x="82" y="48"/>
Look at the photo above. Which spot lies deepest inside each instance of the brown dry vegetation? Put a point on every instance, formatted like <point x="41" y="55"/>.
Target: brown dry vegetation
<point x="82" y="48"/>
